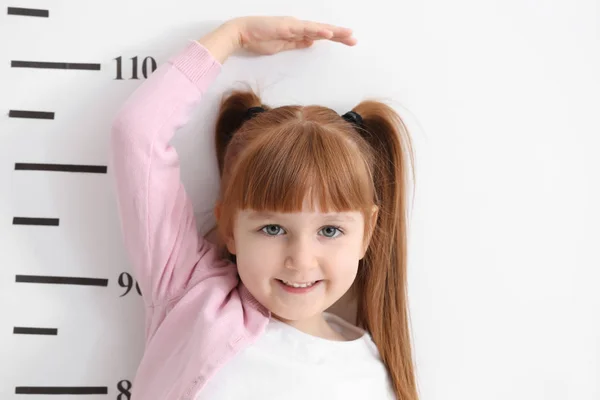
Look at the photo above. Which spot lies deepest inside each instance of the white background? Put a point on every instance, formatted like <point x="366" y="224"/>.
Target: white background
<point x="502" y="99"/>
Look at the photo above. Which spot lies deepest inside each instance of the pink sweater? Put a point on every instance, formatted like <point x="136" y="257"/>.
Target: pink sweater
<point x="198" y="313"/>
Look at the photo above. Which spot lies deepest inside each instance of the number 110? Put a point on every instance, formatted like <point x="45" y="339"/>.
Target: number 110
<point x="134" y="67"/>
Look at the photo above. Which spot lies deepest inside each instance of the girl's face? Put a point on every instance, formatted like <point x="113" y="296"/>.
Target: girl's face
<point x="302" y="247"/>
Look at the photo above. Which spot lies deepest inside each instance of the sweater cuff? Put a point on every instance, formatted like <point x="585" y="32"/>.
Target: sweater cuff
<point x="197" y="64"/>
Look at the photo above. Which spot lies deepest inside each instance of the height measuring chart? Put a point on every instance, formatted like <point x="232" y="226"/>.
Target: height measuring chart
<point x="72" y="319"/>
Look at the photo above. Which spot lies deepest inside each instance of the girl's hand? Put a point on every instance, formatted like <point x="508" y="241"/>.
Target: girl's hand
<point x="271" y="35"/>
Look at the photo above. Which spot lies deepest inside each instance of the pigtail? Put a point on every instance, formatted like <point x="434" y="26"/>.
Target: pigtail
<point x="381" y="282"/>
<point x="232" y="114"/>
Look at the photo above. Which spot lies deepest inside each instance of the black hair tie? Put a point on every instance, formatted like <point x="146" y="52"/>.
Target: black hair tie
<point x="354" y="118"/>
<point x="351" y="116"/>
<point x="252" y="111"/>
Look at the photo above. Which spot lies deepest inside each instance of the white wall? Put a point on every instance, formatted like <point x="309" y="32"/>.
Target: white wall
<point x="502" y="100"/>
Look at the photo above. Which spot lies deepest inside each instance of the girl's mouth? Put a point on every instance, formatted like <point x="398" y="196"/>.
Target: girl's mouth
<point x="298" y="288"/>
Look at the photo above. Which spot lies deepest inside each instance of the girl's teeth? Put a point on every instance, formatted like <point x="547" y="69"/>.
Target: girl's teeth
<point x="299" y="285"/>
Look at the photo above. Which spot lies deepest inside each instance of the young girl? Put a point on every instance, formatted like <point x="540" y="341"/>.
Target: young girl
<point x="311" y="206"/>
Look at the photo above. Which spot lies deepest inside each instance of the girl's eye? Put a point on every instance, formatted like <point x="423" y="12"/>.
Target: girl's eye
<point x="329" y="231"/>
<point x="270" y="231"/>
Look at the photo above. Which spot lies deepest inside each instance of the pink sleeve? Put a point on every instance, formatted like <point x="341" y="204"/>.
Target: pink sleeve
<point x="157" y="217"/>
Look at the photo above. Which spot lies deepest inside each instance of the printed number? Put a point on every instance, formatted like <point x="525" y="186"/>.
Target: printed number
<point x="126" y="281"/>
<point x="124" y="387"/>
<point x="148" y="63"/>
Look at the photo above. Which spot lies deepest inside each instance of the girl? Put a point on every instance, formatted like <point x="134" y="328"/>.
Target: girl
<point x="311" y="206"/>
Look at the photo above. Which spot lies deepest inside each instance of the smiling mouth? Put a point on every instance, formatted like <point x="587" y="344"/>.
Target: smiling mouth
<point x="298" y="284"/>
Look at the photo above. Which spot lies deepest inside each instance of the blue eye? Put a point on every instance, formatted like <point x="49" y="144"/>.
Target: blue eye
<point x="330" y="230"/>
<point x="271" y="226"/>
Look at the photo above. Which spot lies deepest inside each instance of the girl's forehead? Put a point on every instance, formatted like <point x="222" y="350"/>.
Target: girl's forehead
<point x="348" y="216"/>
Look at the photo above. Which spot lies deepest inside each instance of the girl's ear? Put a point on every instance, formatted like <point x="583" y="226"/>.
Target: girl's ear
<point x="367" y="239"/>
<point x="229" y="241"/>
<point x="231" y="244"/>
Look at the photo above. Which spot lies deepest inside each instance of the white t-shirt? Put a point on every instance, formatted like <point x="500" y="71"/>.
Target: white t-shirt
<point x="286" y="363"/>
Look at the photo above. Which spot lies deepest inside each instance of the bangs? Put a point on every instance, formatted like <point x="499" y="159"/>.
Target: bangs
<point x="295" y="163"/>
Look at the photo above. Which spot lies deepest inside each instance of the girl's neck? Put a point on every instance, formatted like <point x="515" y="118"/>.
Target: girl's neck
<point x="315" y="326"/>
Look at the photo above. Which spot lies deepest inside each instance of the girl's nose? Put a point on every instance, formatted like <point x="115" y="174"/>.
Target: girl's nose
<point x="302" y="254"/>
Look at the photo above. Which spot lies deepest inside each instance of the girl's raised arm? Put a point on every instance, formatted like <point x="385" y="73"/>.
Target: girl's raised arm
<point x="157" y="217"/>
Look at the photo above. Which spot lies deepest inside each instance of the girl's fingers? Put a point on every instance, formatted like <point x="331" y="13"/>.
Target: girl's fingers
<point x="300" y="44"/>
<point x="350" y="41"/>
<point x="312" y="29"/>
<point x="302" y="29"/>
<point x="337" y="31"/>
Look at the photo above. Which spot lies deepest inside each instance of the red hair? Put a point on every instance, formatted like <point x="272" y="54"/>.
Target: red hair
<point x="281" y="157"/>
